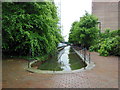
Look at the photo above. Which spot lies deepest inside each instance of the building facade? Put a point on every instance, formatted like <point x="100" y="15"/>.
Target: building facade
<point x="108" y="13"/>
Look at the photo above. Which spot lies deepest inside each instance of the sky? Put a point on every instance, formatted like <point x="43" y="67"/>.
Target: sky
<point x="72" y="10"/>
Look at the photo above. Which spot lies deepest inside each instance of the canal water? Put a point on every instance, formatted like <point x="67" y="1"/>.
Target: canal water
<point x="64" y="60"/>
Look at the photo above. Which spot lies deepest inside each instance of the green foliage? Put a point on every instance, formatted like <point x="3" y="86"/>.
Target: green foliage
<point x="108" y="43"/>
<point x="29" y="28"/>
<point x="85" y="31"/>
<point x="109" y="47"/>
<point x="94" y="48"/>
<point x="73" y="34"/>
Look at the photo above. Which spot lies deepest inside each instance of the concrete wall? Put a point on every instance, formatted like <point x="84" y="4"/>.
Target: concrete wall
<point x="108" y="13"/>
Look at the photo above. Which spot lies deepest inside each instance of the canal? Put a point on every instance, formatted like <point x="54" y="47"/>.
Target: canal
<point x="64" y="60"/>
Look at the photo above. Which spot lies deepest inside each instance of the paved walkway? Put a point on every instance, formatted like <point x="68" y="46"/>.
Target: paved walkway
<point x="103" y="75"/>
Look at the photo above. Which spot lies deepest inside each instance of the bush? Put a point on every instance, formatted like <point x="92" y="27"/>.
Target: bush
<point x="109" y="47"/>
<point x="94" y="48"/>
<point x="108" y="43"/>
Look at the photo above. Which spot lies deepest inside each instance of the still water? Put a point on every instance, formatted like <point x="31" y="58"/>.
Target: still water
<point x="65" y="60"/>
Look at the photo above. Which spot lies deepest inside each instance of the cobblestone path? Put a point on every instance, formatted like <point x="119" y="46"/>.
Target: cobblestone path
<point x="103" y="75"/>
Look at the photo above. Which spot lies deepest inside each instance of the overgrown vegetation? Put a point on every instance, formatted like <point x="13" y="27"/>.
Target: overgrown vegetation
<point x="29" y="28"/>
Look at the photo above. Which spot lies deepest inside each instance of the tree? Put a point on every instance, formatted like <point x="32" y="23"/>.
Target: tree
<point x="85" y="31"/>
<point x="29" y="28"/>
<point x="72" y="36"/>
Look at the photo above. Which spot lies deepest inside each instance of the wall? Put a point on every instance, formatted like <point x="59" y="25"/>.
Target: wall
<point x="108" y="14"/>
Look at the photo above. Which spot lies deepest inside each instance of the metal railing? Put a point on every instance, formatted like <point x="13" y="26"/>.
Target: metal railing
<point x="85" y="54"/>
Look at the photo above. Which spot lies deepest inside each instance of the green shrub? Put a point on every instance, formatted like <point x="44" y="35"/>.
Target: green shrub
<point x="108" y="43"/>
<point x="109" y="47"/>
<point x="29" y="28"/>
<point x="94" y="48"/>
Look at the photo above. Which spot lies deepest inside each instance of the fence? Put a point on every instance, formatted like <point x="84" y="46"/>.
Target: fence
<point x="84" y="53"/>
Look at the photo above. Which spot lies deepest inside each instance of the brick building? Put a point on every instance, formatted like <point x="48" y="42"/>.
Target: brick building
<point x="108" y="12"/>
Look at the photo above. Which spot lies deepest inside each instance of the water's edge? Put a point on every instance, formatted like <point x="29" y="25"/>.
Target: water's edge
<point x="89" y="66"/>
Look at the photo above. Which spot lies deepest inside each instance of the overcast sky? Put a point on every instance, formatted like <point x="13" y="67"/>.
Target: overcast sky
<point x="72" y="10"/>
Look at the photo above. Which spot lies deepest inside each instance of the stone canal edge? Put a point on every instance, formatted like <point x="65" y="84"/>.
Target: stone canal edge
<point x="89" y="66"/>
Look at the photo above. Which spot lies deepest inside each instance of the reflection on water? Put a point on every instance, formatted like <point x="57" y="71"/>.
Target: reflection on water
<point x="65" y="60"/>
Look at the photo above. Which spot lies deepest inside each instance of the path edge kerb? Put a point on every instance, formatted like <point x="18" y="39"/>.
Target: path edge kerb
<point x="88" y="67"/>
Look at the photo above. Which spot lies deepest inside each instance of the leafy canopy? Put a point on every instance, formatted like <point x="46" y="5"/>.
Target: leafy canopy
<point x="29" y="28"/>
<point x="84" y="31"/>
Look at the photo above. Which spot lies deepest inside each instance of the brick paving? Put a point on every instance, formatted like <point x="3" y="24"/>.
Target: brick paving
<point x="103" y="75"/>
